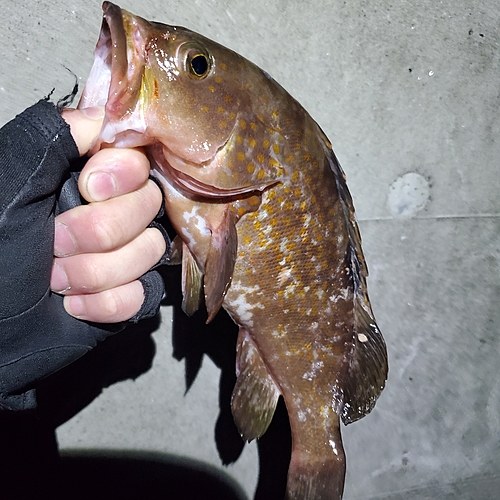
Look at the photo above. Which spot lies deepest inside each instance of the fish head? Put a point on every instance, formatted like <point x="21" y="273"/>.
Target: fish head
<point x="164" y="84"/>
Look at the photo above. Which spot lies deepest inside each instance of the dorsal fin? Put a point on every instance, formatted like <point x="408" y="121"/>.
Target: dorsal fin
<point x="367" y="372"/>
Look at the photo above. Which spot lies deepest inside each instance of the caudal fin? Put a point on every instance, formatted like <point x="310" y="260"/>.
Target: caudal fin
<point x="315" y="480"/>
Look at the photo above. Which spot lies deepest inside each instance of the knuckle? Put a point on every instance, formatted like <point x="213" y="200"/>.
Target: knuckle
<point x="111" y="305"/>
<point x="93" y="274"/>
<point x="107" y="232"/>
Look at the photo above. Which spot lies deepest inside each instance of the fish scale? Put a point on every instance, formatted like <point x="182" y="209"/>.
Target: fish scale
<point x="266" y="229"/>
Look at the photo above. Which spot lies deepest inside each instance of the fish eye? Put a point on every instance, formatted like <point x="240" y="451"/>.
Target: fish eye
<point x="196" y="60"/>
<point x="198" y="65"/>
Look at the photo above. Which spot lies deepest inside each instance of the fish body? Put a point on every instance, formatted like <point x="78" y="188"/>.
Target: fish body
<point x="266" y="230"/>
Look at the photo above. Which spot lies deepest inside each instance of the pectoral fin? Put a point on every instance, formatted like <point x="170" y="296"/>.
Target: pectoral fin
<point x="192" y="280"/>
<point x="368" y="370"/>
<point x="255" y="394"/>
<point x="220" y="262"/>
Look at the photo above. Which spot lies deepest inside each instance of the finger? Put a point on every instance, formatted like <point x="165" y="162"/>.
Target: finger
<point x="96" y="272"/>
<point x="85" y="126"/>
<point x="107" y="225"/>
<point x="110" y="306"/>
<point x="113" y="172"/>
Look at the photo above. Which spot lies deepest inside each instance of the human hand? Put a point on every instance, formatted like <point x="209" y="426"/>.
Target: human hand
<point x="101" y="249"/>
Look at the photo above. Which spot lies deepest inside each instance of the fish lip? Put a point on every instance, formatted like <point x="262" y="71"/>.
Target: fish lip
<point x="108" y="82"/>
<point x="113" y="44"/>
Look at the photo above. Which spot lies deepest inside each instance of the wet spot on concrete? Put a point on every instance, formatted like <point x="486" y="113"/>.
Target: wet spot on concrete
<point x="408" y="195"/>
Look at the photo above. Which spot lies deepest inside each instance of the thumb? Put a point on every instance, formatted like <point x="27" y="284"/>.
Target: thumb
<point x="85" y="125"/>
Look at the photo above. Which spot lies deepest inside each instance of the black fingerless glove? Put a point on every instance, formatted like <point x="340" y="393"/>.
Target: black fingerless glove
<point x="37" y="336"/>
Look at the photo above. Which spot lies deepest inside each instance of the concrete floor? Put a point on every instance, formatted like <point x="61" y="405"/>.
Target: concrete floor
<point x="408" y="94"/>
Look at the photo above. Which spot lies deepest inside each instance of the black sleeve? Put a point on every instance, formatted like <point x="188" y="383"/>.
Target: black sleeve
<point x="37" y="336"/>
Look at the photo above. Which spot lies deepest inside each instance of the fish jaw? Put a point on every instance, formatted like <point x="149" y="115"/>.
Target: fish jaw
<point x="116" y="80"/>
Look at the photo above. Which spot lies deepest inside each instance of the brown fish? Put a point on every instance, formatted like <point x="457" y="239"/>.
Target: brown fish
<point x="267" y="230"/>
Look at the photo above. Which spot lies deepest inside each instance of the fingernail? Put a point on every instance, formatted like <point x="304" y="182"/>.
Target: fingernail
<point x="75" y="306"/>
<point x="94" y="112"/>
<point x="59" y="280"/>
<point x="101" y="186"/>
<point x="64" y="244"/>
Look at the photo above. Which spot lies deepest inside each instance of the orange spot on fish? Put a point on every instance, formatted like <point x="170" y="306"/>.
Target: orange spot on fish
<point x="276" y="148"/>
<point x="297" y="192"/>
<point x="211" y="88"/>
<point x="289" y="158"/>
<point x="266" y="143"/>
<point x="252" y="142"/>
<point x="220" y="109"/>
<point x="254" y="201"/>
<point x="228" y="98"/>
<point x="223" y="66"/>
<point x="239" y="139"/>
<point x="253" y="125"/>
<point x="240" y="155"/>
<point x="260" y="158"/>
<point x="250" y="168"/>
<point x="205" y="109"/>
<point x="261" y="174"/>
<point x="218" y="79"/>
<point x="295" y="176"/>
<point x="223" y="124"/>
<point x="307" y="157"/>
<point x="273" y="163"/>
<point x="275" y="113"/>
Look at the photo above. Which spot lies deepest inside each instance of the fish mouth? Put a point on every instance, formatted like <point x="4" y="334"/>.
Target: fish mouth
<point x="117" y="66"/>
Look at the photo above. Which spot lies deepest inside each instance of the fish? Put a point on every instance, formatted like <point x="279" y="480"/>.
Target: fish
<point x="265" y="228"/>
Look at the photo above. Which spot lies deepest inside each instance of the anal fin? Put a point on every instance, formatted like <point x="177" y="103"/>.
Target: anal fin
<point x="255" y="394"/>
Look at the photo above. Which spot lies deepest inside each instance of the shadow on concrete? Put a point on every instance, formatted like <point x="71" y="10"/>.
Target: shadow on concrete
<point x="193" y="339"/>
<point x="142" y="475"/>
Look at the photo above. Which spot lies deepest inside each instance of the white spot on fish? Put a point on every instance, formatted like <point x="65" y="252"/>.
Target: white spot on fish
<point x="301" y="416"/>
<point x="191" y="241"/>
<point x="315" y="368"/>
<point x="196" y="221"/>
<point x="343" y="295"/>
<point x="284" y="275"/>
<point x="362" y="337"/>
<point x="290" y="290"/>
<point x="283" y="245"/>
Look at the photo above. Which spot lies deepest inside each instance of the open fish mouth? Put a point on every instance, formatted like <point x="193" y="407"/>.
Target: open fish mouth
<point x="116" y="75"/>
<point x="110" y="59"/>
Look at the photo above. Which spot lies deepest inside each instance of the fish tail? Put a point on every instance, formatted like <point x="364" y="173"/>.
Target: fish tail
<point x="308" y="480"/>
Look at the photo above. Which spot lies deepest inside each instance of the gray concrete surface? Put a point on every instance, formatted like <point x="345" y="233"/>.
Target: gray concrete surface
<point x="400" y="88"/>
